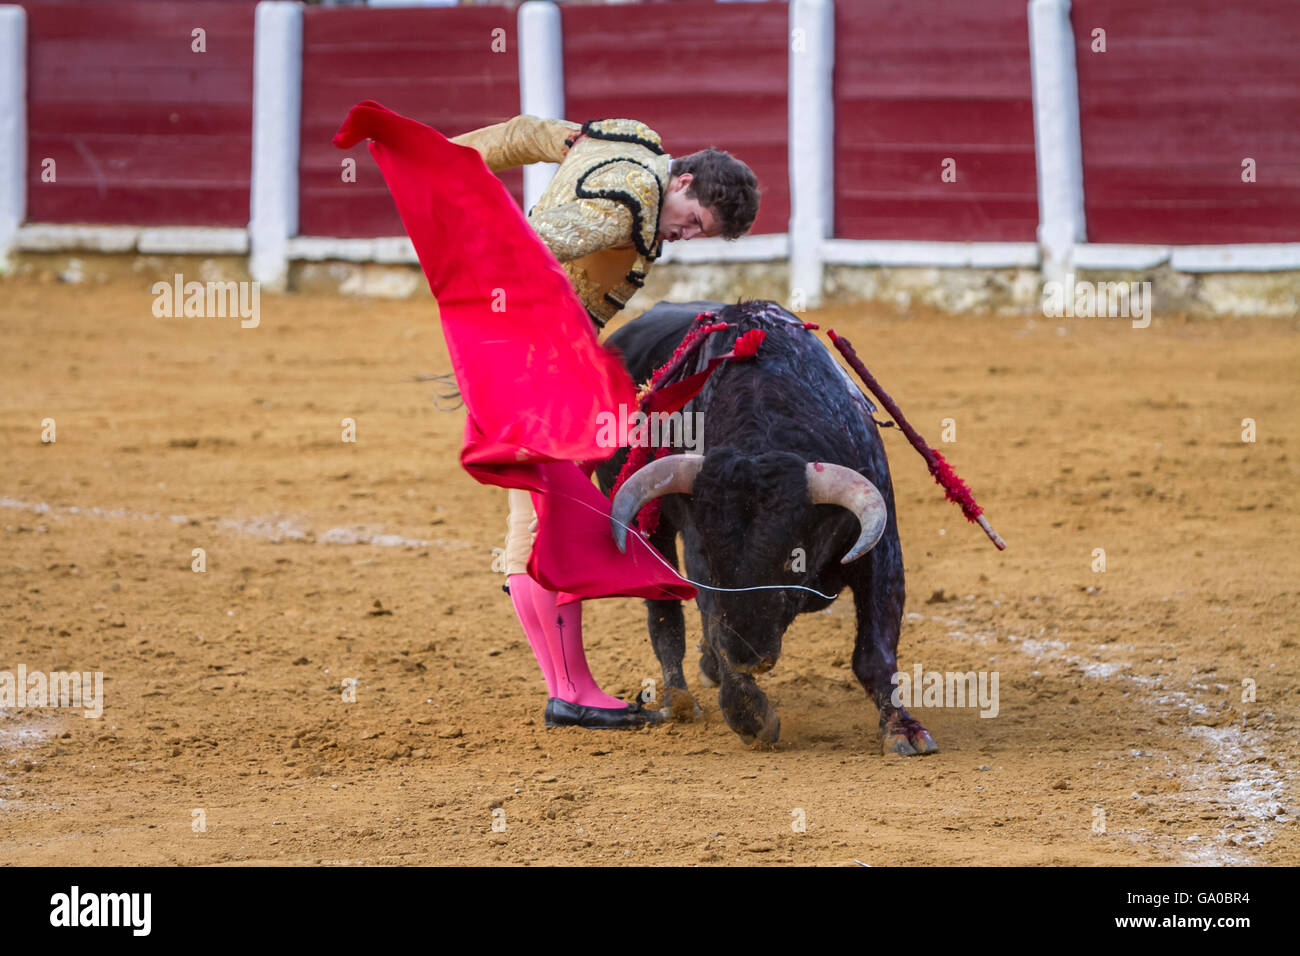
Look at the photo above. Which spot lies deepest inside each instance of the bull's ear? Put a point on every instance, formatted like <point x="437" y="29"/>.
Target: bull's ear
<point x="836" y="485"/>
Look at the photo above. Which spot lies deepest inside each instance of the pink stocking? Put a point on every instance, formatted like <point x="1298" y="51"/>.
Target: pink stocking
<point x="563" y="627"/>
<point x="521" y="595"/>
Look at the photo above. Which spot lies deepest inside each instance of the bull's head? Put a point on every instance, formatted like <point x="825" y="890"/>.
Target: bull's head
<point x="750" y="513"/>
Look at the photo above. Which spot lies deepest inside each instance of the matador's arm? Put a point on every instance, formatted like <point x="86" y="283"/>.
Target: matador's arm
<point x="520" y="141"/>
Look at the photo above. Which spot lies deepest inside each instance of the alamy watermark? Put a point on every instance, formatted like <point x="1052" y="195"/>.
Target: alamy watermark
<point x="654" y="430"/>
<point x="211" y="300"/>
<point x="55" y="689"/>
<point x="130" y="910"/>
<point x="924" y="688"/>
<point x="1087" y="300"/>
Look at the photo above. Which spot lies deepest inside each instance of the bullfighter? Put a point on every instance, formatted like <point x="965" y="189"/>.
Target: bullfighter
<point x="616" y="198"/>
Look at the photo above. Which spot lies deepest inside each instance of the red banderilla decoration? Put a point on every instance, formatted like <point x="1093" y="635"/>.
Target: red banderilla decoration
<point x="954" y="488"/>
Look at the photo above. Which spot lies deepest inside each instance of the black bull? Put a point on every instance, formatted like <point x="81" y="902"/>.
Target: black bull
<point x="747" y="519"/>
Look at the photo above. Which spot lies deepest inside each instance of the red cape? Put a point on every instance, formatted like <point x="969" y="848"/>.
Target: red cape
<point x="535" y="380"/>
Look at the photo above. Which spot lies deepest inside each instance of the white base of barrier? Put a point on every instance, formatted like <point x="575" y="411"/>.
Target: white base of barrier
<point x="772" y="247"/>
<point x="151" y="240"/>
<point x="1255" y="257"/>
<point x="950" y="255"/>
<point x="398" y="250"/>
<point x="386" y="250"/>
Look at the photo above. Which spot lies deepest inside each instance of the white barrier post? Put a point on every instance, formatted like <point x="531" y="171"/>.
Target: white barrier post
<point x="812" y="144"/>
<point x="1058" y="145"/>
<point x="277" y="115"/>
<point x="13" y="126"/>
<point x="541" y="80"/>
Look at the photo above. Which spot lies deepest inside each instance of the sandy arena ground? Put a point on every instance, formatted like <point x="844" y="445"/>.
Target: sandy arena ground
<point x="1120" y="692"/>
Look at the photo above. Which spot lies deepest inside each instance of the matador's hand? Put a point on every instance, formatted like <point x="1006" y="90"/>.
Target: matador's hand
<point x="573" y="141"/>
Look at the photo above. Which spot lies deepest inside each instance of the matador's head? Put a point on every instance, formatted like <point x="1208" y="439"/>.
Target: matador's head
<point x="710" y="193"/>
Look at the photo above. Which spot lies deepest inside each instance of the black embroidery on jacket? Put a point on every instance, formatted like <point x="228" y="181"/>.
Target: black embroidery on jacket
<point x="627" y="199"/>
<point x="593" y="129"/>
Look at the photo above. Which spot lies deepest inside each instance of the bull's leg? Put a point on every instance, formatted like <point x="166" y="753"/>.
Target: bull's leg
<point x="745" y="708"/>
<point x="697" y="569"/>
<point x="668" y="637"/>
<point x="878" y="602"/>
<point x="710" y="670"/>
<point x="667" y="626"/>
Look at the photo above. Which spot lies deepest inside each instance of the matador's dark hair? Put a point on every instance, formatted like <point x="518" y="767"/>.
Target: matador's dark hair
<point x="723" y="184"/>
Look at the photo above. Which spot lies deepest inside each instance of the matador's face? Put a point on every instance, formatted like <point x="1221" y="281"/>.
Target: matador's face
<point x="681" y="216"/>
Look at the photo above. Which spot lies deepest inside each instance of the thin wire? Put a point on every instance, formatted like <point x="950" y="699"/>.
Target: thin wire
<point x="707" y="587"/>
<point x="721" y="619"/>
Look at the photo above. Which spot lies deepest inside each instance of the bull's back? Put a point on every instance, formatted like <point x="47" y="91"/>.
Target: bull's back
<point x="649" y="340"/>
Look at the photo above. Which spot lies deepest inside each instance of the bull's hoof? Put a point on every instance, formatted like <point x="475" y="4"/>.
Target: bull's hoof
<point x="680" y="705"/>
<point x="907" y="738"/>
<point x="768" y="734"/>
<point x="705" y="679"/>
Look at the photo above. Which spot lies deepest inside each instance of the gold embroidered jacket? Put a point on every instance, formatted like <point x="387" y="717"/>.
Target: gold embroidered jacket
<point x="600" y="214"/>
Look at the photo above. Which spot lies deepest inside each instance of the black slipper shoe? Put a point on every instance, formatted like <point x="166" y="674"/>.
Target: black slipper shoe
<point x="561" y="713"/>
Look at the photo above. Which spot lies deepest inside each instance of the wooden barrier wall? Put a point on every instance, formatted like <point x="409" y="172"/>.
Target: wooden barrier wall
<point x="436" y="65"/>
<point x="142" y="129"/>
<point x="921" y="81"/>
<point x="145" y="131"/>
<point x="1187" y="90"/>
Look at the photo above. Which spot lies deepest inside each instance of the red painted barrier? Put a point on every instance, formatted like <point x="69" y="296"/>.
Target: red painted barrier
<point x="921" y="81"/>
<point x="435" y="65"/>
<point x="141" y="129"/>
<point x="1187" y="90"/>
<point x="145" y="131"/>
<point x="700" y="74"/>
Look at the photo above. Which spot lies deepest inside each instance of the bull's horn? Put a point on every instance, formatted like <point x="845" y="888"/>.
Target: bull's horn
<point x="836" y="485"/>
<point x="673" y="474"/>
